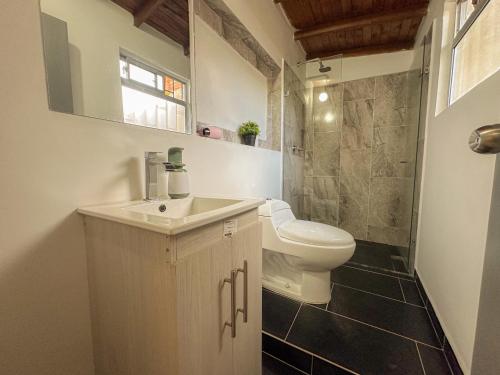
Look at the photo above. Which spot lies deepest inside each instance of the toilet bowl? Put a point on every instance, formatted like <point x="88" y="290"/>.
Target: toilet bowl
<point x="298" y="255"/>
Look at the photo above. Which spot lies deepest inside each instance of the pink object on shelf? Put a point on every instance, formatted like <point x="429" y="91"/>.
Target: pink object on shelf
<point x="210" y="132"/>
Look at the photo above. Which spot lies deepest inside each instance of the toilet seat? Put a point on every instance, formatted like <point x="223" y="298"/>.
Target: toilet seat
<point x="312" y="233"/>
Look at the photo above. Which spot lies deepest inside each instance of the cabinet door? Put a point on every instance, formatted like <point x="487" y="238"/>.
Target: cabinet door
<point x="247" y="351"/>
<point x="203" y="300"/>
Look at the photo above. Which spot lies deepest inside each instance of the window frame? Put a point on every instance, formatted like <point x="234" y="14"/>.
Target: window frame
<point x="129" y="58"/>
<point x="459" y="35"/>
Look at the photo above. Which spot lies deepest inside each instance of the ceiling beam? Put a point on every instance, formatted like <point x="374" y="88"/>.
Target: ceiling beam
<point x="361" y="51"/>
<point x="145" y="11"/>
<point x="360" y="21"/>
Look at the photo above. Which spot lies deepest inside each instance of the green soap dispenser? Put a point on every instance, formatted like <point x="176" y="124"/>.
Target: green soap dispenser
<point x="178" y="180"/>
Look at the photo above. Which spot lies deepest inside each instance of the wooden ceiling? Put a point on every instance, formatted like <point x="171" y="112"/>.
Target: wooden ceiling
<point x="169" y="17"/>
<point x="354" y="27"/>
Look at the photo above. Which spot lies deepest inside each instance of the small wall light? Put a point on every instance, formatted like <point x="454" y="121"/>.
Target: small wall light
<point x="323" y="97"/>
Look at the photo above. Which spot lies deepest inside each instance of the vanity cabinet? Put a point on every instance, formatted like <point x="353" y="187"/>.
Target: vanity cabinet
<point x="176" y="304"/>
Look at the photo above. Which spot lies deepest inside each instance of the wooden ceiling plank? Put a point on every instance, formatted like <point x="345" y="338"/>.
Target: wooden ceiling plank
<point x="147" y="8"/>
<point x="361" y="51"/>
<point x="360" y="21"/>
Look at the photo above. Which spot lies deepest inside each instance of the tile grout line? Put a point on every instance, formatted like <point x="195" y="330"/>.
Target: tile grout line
<point x="448" y="362"/>
<point x="310" y="353"/>
<point x="286" y="363"/>
<point x="424" y="301"/>
<point x="293" y="321"/>
<point x="331" y="296"/>
<point x="420" y="358"/>
<point x="372" y="142"/>
<point x="377" y="273"/>
<point x="379" y="328"/>
<point x="434" y="328"/>
<point x="380" y="295"/>
<point x="402" y="291"/>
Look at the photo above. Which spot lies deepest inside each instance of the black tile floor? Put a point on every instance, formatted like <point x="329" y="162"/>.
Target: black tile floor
<point x="374" y="324"/>
<point x="378" y="257"/>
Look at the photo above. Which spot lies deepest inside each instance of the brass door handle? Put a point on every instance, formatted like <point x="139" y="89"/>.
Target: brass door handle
<point x="244" y="311"/>
<point x="232" y="282"/>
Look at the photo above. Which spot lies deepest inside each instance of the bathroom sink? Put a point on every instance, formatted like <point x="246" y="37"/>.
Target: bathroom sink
<point x="172" y="216"/>
<point x="181" y="208"/>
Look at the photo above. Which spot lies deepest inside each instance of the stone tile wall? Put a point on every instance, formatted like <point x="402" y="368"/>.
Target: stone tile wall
<point x="294" y="117"/>
<point x="360" y="157"/>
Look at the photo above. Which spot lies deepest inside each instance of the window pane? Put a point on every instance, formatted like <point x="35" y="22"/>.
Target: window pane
<point x="181" y="118"/>
<point x="169" y="86"/>
<point x="477" y="55"/>
<point x="159" y="82"/>
<point x="179" y="90"/>
<point x="142" y="76"/>
<point x="465" y="9"/>
<point x="143" y="109"/>
<point x="123" y="68"/>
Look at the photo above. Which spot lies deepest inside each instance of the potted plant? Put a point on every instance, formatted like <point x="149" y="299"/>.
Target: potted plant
<point x="248" y="132"/>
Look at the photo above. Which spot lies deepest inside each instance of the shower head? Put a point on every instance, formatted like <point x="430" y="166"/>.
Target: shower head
<point x="322" y="68"/>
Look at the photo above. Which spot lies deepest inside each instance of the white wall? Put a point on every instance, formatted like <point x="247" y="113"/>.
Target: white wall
<point x="52" y="163"/>
<point x="456" y="197"/>
<point x="268" y="25"/>
<point x="229" y="90"/>
<point x="487" y="346"/>
<point x="96" y="31"/>
<point x="359" y="67"/>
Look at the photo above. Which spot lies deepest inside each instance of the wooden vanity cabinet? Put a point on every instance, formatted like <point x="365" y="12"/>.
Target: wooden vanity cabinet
<point x="162" y="304"/>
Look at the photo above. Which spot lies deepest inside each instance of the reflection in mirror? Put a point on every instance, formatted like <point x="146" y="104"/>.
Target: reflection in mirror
<point x="231" y="62"/>
<point x="120" y="60"/>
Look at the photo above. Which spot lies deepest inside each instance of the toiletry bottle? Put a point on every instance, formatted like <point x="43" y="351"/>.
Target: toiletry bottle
<point x="178" y="179"/>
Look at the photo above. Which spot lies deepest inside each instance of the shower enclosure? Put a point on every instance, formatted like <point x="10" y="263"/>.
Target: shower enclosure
<point x="350" y="159"/>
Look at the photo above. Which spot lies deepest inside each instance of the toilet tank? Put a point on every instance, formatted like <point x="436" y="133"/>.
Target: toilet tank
<point x="278" y="211"/>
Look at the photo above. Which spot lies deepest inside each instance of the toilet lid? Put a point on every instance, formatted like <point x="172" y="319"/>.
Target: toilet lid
<point x="314" y="233"/>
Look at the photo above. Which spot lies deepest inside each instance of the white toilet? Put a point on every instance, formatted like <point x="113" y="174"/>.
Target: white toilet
<point x="299" y="255"/>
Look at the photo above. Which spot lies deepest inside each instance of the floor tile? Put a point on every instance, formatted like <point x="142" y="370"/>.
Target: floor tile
<point x="398" y="317"/>
<point x="411" y="292"/>
<point x="368" y="281"/>
<point x="287" y="353"/>
<point x="320" y="306"/>
<point x="433" y="361"/>
<point x="435" y="322"/>
<point x="421" y="289"/>
<point x="380" y="271"/>
<point x="399" y="265"/>
<point x="321" y="367"/>
<point x="272" y="366"/>
<point x="452" y="360"/>
<point x="278" y="313"/>
<point x="372" y="256"/>
<point x="354" y="345"/>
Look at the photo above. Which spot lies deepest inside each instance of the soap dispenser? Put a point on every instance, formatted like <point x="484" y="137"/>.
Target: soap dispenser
<point x="178" y="180"/>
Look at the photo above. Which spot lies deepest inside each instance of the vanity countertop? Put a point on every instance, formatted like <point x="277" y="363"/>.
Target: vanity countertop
<point x="172" y="216"/>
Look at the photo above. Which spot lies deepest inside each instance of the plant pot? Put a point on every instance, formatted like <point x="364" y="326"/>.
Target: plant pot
<point x="249" y="139"/>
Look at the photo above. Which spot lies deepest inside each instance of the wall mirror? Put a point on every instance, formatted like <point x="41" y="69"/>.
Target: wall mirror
<point x="120" y="60"/>
<point x="236" y="79"/>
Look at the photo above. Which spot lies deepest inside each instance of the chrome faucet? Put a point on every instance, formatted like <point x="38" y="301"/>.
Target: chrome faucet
<point x="154" y="164"/>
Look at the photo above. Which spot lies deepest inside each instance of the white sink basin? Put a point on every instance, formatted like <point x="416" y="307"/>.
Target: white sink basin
<point x="172" y="216"/>
<point x="181" y="208"/>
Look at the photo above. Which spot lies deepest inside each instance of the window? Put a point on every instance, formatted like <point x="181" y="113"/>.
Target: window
<point x="153" y="98"/>
<point x="476" y="46"/>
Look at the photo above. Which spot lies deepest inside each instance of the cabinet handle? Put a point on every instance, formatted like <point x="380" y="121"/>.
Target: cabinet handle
<point x="244" y="270"/>
<point x="232" y="282"/>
